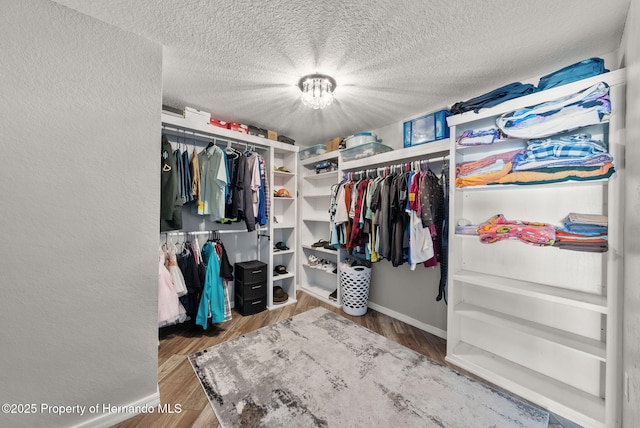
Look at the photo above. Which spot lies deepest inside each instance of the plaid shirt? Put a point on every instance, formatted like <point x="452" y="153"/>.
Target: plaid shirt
<point x="573" y="146"/>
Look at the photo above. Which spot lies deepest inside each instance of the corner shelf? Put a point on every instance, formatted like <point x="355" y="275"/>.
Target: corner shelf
<point x="315" y="195"/>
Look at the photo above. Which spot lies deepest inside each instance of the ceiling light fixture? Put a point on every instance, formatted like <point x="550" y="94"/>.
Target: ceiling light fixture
<point x="317" y="90"/>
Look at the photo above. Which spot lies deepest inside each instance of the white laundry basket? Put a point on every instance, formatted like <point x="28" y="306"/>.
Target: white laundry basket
<point x="354" y="282"/>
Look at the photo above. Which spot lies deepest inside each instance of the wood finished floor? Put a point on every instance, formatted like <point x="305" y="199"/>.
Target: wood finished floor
<point x="178" y="383"/>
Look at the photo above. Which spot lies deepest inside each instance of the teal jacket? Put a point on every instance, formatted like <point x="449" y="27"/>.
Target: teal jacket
<point x="212" y="298"/>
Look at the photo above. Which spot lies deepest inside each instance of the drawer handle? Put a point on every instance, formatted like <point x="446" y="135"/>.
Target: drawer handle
<point x="256" y="287"/>
<point x="256" y="303"/>
<point x="257" y="271"/>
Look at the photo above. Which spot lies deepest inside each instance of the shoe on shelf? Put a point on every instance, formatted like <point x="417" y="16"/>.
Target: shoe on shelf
<point x="334" y="295"/>
<point x="313" y="261"/>
<point x="320" y="243"/>
<point x="280" y="270"/>
<point x="329" y="246"/>
<point x="327" y="265"/>
<point x="281" y="246"/>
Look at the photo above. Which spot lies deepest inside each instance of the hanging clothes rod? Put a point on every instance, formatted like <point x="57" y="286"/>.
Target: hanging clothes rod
<point x="178" y="131"/>
<point x="206" y="232"/>
<point x="405" y="166"/>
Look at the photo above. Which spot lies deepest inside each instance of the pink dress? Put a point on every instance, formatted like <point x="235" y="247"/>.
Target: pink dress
<point x="170" y="310"/>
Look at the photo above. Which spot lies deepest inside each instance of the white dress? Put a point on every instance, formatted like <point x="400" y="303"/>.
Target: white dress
<point x="174" y="269"/>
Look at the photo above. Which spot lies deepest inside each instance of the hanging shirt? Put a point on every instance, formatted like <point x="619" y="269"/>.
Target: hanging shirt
<point x="254" y="172"/>
<point x="214" y="179"/>
<point x="188" y="193"/>
<point x="194" y="167"/>
<point x="231" y="204"/>
<point x="170" y="202"/>
<point x="243" y="192"/>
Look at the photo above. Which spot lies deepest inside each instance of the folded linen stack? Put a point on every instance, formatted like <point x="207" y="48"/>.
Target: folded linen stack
<point x="548" y="155"/>
<point x="583" y="232"/>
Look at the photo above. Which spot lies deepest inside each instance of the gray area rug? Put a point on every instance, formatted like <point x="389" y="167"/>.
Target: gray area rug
<point x="318" y="369"/>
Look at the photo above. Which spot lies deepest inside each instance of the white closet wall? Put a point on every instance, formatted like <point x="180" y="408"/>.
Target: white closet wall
<point x="630" y="52"/>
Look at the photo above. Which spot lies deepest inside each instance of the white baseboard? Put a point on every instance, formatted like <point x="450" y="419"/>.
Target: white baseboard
<point x="411" y="321"/>
<point x="106" y="420"/>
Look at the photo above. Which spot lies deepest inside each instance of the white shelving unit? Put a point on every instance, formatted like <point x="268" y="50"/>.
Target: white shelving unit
<point x="284" y="210"/>
<point x="282" y="222"/>
<point x="541" y="322"/>
<point x="314" y="224"/>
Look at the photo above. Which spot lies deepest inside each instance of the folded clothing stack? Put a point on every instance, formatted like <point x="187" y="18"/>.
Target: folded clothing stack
<point x="584" y="232"/>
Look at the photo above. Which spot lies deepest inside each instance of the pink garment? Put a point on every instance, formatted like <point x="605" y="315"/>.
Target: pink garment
<point x="433" y="261"/>
<point x="469" y="167"/>
<point x="498" y="228"/>
<point x="414" y="193"/>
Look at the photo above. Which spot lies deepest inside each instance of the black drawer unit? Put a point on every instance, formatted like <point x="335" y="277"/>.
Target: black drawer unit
<point x="250" y="287"/>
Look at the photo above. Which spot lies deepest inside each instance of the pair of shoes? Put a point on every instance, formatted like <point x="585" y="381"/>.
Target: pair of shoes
<point x="320" y="243"/>
<point x="313" y="261"/>
<point x="328" y="266"/>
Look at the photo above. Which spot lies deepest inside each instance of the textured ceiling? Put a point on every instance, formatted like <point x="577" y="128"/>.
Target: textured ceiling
<point x="392" y="59"/>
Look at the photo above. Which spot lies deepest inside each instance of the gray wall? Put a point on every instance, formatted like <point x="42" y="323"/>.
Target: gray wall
<point x="631" y="316"/>
<point x="80" y="139"/>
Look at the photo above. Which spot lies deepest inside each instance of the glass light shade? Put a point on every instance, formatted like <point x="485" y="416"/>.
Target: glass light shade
<point x="317" y="90"/>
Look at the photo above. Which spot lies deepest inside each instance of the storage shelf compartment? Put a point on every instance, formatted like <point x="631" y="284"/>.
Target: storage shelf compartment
<point x="531" y="289"/>
<point x="289" y="301"/>
<point x="310" y="162"/>
<point x="319" y="269"/>
<point x="568" y="183"/>
<point x="319" y="249"/>
<point x="317" y="219"/>
<point x="282" y="252"/>
<point x="283" y="276"/>
<point x="408" y="154"/>
<point x="590" y="347"/>
<point x="320" y="292"/>
<point x="284" y="226"/>
<point x="317" y="196"/>
<point x="322" y="175"/>
<point x="613" y="78"/>
<point x="553" y="395"/>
